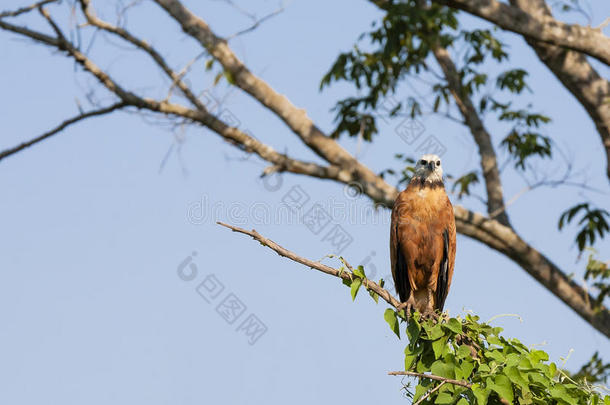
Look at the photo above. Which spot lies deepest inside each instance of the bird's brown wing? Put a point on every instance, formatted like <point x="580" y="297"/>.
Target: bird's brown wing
<point x="400" y="272"/>
<point x="445" y="273"/>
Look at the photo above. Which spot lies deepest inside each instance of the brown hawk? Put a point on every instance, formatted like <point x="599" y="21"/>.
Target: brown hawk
<point x="422" y="239"/>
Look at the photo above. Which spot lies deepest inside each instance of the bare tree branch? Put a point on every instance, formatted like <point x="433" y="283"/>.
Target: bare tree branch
<point x="340" y="273"/>
<point x="23" y="10"/>
<point x="256" y="22"/>
<point x="281" y="161"/>
<point x="542" y="28"/>
<point x="60" y="127"/>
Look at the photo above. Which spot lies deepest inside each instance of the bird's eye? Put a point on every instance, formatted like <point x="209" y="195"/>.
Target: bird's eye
<point x="423" y="162"/>
<point x="438" y="162"/>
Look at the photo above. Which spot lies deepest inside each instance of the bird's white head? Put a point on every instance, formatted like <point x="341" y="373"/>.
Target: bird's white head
<point x="428" y="169"/>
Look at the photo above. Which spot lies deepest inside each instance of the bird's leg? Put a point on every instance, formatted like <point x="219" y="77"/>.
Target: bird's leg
<point x="407" y="306"/>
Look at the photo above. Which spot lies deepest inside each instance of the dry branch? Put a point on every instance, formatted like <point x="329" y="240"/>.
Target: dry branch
<point x="343" y="274"/>
<point x="27" y="9"/>
<point x="106" y="110"/>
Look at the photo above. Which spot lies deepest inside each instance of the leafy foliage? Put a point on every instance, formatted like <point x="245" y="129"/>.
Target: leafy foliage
<point x="593" y="221"/>
<point x="472" y="363"/>
<point x="400" y="46"/>
<point x="402" y="43"/>
<point x="464" y="182"/>
<point x="495" y="369"/>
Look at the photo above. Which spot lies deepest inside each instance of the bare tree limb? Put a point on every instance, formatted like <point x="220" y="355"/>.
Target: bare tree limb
<point x="23" y="10"/>
<point x="343" y="274"/>
<point x="542" y="28"/>
<point x="231" y="134"/>
<point x="60" y="127"/>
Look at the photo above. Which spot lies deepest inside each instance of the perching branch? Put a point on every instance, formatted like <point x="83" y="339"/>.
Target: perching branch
<point x="340" y="273"/>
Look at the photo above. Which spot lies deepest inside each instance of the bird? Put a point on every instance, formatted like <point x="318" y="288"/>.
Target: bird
<point x="422" y="240"/>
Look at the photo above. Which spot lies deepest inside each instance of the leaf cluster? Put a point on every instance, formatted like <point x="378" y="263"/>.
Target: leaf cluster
<point x="491" y="368"/>
<point x="593" y="223"/>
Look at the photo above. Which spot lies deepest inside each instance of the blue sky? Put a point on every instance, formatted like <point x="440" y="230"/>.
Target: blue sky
<point x="94" y="232"/>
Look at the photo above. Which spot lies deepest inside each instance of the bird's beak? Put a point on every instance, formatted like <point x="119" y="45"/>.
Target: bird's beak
<point x="431" y="166"/>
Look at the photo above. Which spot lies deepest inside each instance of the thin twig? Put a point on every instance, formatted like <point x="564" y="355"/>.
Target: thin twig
<point x="432" y="391"/>
<point x="60" y="127"/>
<point x="461" y="383"/>
<point x="22" y="10"/>
<point x="257" y="23"/>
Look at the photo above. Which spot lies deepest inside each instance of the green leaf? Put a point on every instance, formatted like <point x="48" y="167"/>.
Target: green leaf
<point x="419" y="391"/>
<point x="433" y="332"/>
<point x="552" y="370"/>
<point x="503" y="387"/>
<point x="359" y="271"/>
<point x="229" y="76"/>
<point x="454" y="325"/>
<point x="356" y="283"/>
<point x="392" y="320"/>
<point x="494" y="340"/>
<point x="463" y="352"/>
<point x="440" y="347"/>
<point x="442" y="369"/>
<point x="412" y="355"/>
<point x="374" y="296"/>
<point x="495" y="355"/>
<point x="480" y="393"/>
<point x="466" y="367"/>
<point x="516" y="377"/>
<point x="538" y="356"/>
<point x="444" y="398"/>
<point x="413" y="330"/>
